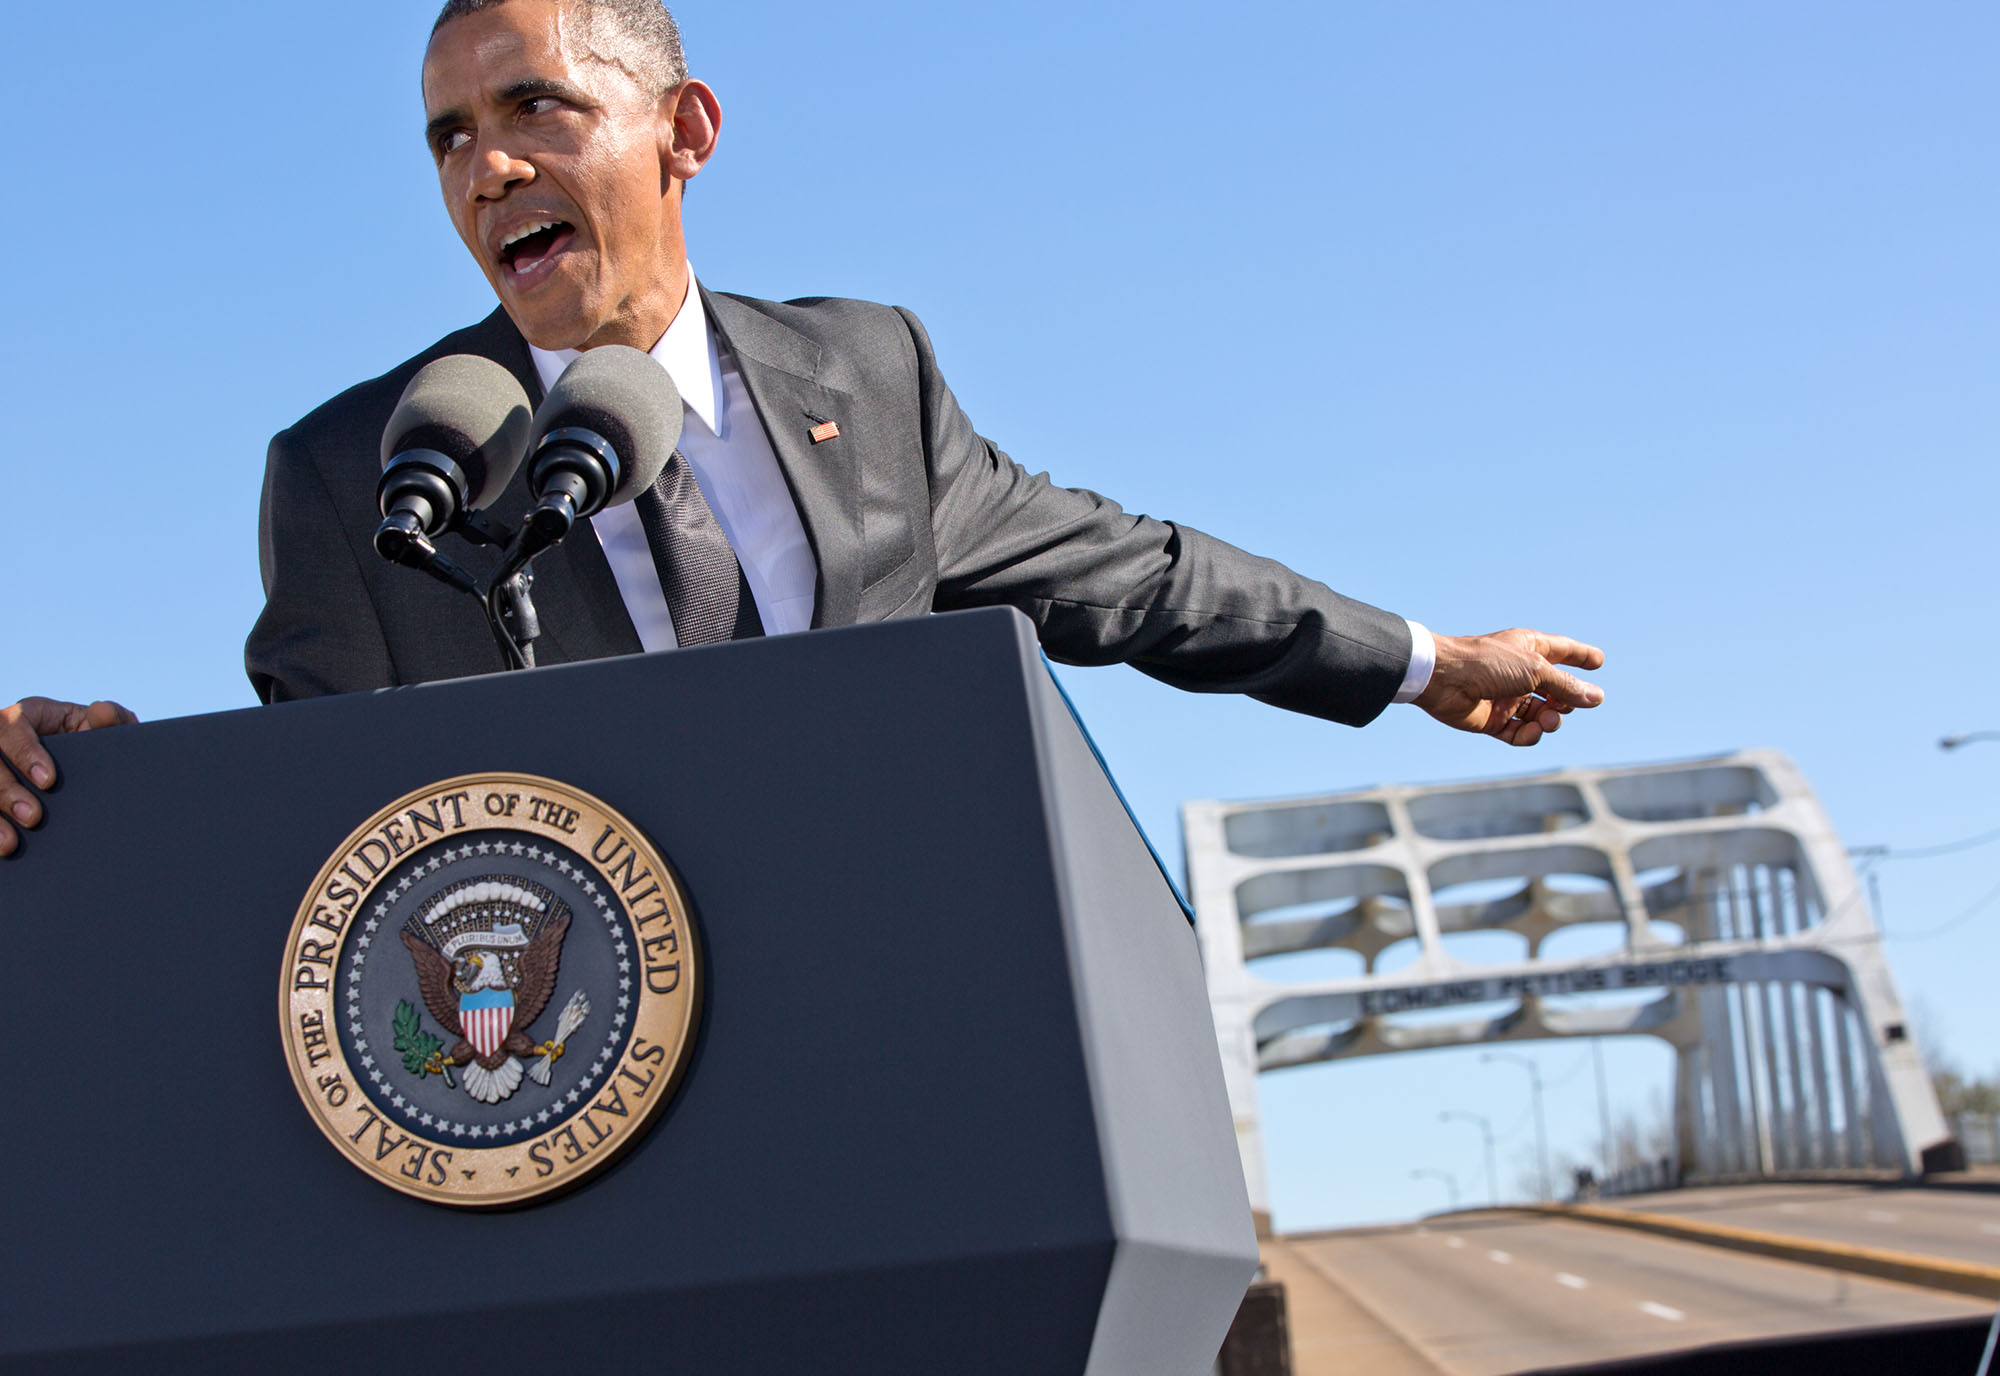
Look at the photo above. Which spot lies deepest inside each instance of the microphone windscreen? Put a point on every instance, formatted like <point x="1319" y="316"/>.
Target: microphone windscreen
<point x="473" y="411"/>
<point x="625" y="396"/>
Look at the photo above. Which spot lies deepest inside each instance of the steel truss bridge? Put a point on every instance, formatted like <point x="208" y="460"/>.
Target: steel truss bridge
<point x="1735" y="900"/>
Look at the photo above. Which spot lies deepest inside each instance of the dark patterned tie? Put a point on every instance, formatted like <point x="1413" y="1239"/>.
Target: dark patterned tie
<point x="706" y="592"/>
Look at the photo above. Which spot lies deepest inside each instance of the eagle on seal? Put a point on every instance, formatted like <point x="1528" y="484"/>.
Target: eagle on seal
<point x="485" y="988"/>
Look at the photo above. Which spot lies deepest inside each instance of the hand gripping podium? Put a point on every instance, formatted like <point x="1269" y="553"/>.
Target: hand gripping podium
<point x="952" y="1105"/>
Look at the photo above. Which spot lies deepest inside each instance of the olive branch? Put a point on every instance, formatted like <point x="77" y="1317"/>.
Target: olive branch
<point x="422" y="1053"/>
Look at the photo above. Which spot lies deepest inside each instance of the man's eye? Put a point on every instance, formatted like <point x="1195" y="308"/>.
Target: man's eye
<point x="453" y="141"/>
<point x="538" y="105"/>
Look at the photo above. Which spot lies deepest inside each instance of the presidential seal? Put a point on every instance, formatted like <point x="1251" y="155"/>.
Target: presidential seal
<point x="490" y="990"/>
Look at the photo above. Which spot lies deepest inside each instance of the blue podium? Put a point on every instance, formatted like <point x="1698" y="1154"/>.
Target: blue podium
<point x="952" y="1105"/>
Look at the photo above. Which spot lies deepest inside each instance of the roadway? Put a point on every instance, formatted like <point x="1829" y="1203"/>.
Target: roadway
<point x="1959" y="1225"/>
<point x="1477" y="1295"/>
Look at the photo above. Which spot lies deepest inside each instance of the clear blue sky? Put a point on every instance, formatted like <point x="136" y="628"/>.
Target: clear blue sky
<point x="1672" y="327"/>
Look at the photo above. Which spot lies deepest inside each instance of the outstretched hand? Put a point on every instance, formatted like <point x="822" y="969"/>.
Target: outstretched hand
<point x="21" y="728"/>
<point x="1507" y="685"/>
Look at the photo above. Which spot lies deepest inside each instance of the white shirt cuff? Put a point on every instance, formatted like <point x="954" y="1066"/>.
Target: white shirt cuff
<point x="1423" y="659"/>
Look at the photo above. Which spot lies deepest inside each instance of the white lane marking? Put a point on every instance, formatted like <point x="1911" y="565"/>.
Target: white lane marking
<point x="1573" y="1282"/>
<point x="1880" y="1216"/>
<point x="1454" y="1242"/>
<point x="1502" y="1257"/>
<point x="1422" y="1231"/>
<point x="1791" y="1208"/>
<point x="1660" y="1311"/>
<point x="1991" y="1228"/>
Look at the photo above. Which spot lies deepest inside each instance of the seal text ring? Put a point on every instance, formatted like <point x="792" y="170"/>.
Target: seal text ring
<point x="490" y="990"/>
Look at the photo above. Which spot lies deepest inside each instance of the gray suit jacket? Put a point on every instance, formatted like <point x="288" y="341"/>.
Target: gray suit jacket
<point x="908" y="511"/>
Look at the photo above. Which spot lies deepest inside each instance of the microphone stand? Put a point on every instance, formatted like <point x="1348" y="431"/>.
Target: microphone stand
<point x="507" y="601"/>
<point x="510" y="609"/>
<point x="516" y="621"/>
<point x="574" y="470"/>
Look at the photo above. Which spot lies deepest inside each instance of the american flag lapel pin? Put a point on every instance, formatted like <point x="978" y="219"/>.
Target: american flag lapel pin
<point x="825" y="430"/>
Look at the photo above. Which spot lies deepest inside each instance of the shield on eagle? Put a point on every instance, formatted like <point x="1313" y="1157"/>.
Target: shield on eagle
<point x="487" y="1017"/>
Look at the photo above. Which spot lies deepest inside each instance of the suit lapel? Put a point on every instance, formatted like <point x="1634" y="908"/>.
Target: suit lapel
<point x="582" y="612"/>
<point x="778" y="366"/>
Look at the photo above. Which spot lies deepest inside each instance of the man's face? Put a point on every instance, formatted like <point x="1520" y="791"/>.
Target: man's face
<point x="553" y="166"/>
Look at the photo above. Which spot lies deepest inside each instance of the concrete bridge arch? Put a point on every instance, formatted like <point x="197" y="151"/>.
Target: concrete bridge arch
<point x="1736" y="903"/>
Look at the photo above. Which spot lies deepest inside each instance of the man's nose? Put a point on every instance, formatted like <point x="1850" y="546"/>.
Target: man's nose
<point x="498" y="172"/>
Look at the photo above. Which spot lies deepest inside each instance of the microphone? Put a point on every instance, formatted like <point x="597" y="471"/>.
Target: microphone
<point x="600" y="437"/>
<point x="452" y="445"/>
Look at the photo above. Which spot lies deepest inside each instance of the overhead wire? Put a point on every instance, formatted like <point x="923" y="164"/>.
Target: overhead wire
<point x="1567" y="1075"/>
<point x="1984" y="838"/>
<point x="1926" y="933"/>
<point x="1753" y="894"/>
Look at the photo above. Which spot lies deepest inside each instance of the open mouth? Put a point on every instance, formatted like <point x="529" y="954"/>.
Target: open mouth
<point x="528" y="247"/>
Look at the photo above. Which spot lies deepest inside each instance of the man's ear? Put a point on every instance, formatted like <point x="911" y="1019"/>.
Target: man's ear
<point x="690" y="122"/>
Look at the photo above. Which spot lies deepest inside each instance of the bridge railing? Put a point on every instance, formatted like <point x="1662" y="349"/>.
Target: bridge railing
<point x="1979" y="1134"/>
<point x="1643" y="1177"/>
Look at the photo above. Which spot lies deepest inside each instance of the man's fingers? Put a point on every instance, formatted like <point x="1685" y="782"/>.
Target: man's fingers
<point x="19" y="745"/>
<point x="1470" y="686"/>
<point x="1540" y="711"/>
<point x="1567" y="691"/>
<point x="1519" y="732"/>
<point x="102" y="714"/>
<point x="22" y="725"/>
<point x="1517" y="721"/>
<point x="1505" y="717"/>
<point x="21" y="728"/>
<point x="1560" y="649"/>
<point x="18" y="807"/>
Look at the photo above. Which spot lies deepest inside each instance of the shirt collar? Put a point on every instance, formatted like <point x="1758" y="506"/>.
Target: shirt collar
<point x="687" y="351"/>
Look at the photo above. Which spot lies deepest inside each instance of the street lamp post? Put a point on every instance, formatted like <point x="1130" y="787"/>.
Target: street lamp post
<point x="1485" y="1131"/>
<point x="1450" y="1180"/>
<point x="1603" y="1110"/>
<point x="1541" y="1126"/>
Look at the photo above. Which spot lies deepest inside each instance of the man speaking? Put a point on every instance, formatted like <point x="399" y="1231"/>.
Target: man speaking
<point x="826" y="474"/>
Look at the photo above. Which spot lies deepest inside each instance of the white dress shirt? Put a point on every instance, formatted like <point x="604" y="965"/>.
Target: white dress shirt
<point x="725" y="444"/>
<point x="1423" y="661"/>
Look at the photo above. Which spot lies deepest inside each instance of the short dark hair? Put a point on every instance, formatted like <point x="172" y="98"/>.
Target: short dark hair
<point x="637" y="36"/>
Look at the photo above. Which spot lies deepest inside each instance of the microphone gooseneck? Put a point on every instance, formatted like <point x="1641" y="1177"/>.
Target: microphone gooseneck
<point x="573" y="473"/>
